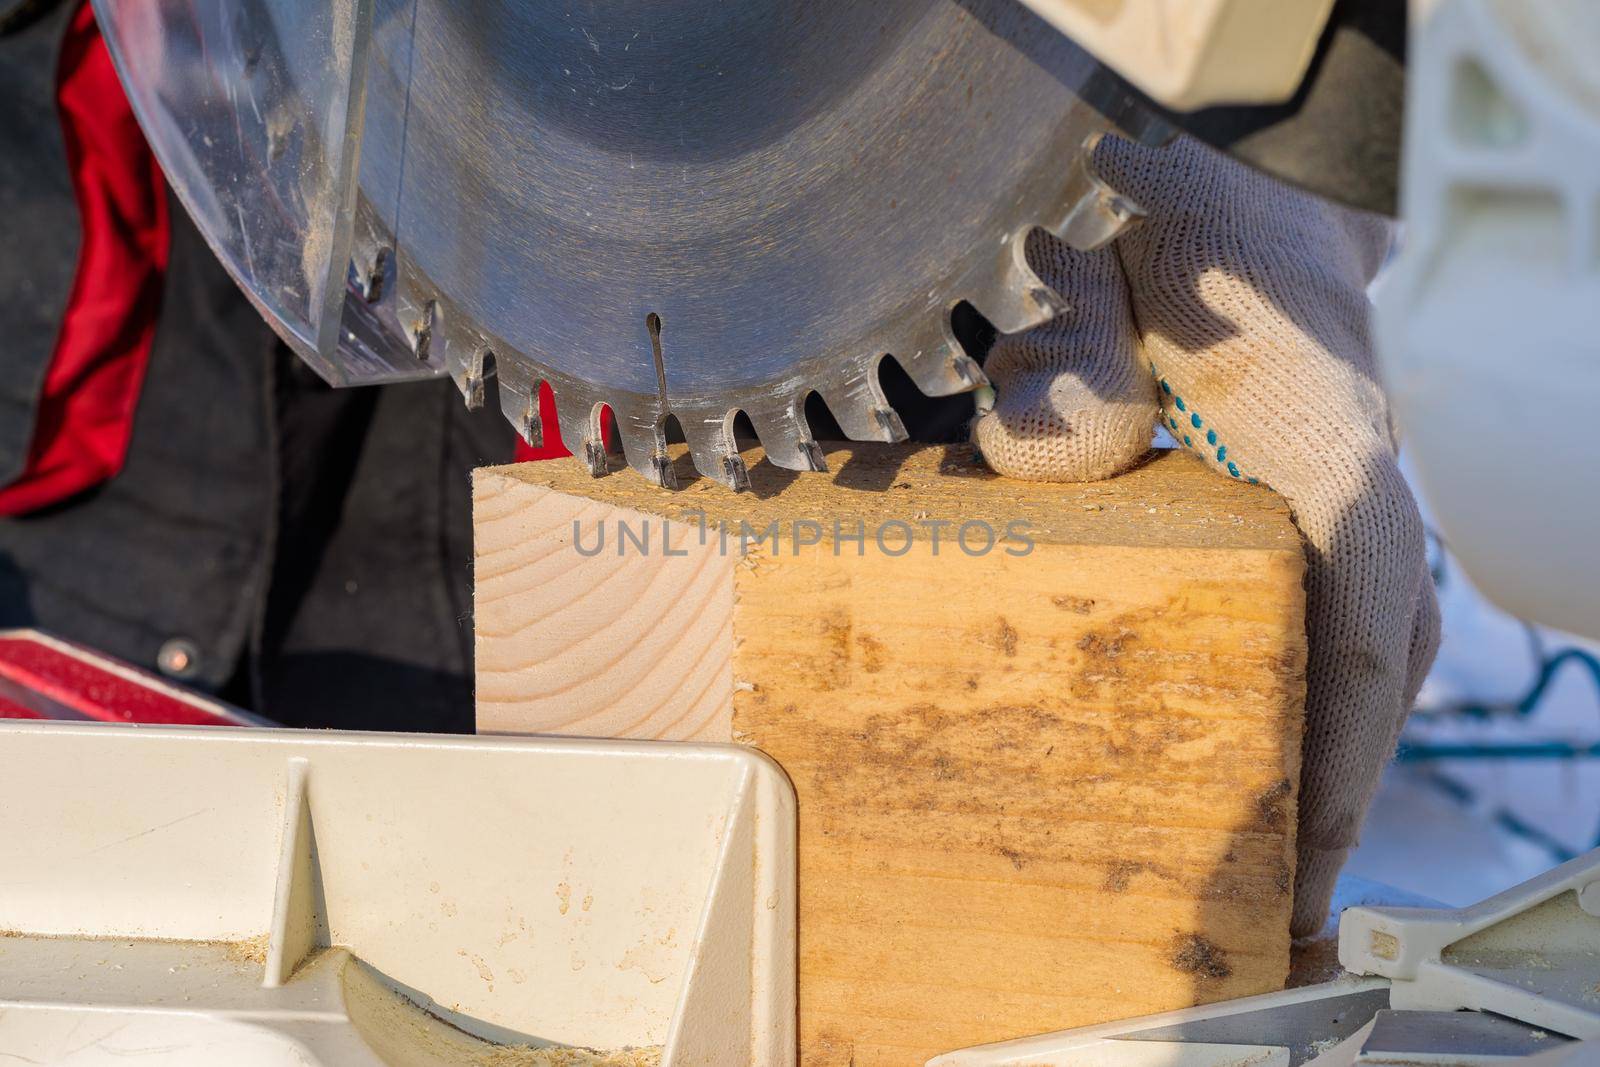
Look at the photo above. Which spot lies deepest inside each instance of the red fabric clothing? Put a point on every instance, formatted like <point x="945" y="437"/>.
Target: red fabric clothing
<point x="85" y="413"/>
<point x="553" y="448"/>
<point x="91" y="388"/>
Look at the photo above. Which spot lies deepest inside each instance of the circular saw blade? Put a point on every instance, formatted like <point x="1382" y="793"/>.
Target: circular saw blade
<point x="692" y="209"/>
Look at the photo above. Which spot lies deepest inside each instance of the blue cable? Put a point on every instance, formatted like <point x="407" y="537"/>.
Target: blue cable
<point x="1521" y="708"/>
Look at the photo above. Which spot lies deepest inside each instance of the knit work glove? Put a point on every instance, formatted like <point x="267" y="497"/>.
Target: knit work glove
<point x="1237" y="314"/>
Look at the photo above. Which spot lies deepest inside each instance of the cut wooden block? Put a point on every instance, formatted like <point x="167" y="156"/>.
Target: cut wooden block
<point x="1046" y="760"/>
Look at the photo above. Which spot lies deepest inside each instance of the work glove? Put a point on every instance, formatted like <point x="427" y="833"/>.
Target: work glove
<point x="1236" y="313"/>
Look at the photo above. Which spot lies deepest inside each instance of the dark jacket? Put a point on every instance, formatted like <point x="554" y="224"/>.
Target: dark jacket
<point x="301" y="550"/>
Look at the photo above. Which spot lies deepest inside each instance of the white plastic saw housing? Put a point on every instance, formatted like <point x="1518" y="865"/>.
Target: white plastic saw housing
<point x="264" y="897"/>
<point x="1189" y="54"/>
<point x="1488" y="324"/>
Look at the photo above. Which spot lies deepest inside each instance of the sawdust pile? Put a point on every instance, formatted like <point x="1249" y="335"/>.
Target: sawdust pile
<point x="528" y="1056"/>
<point x="251" y="950"/>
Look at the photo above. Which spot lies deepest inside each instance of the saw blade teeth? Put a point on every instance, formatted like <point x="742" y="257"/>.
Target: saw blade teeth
<point x="519" y="402"/>
<point x="644" y="444"/>
<point x="580" y="423"/>
<point x="471" y="374"/>
<point x="1093" y="213"/>
<point x="937" y="363"/>
<point x="787" y="440"/>
<point x="529" y="425"/>
<point x="859" y="406"/>
<point x="471" y="386"/>
<point x="422" y="330"/>
<point x="464" y="354"/>
<point x="1082" y="209"/>
<point x="1009" y="293"/>
<point x="712" y="444"/>
<point x="651" y="323"/>
<point x="370" y="272"/>
<point x="815" y="460"/>
<point x="662" y="472"/>
<point x="888" y="420"/>
<point x="735" y="475"/>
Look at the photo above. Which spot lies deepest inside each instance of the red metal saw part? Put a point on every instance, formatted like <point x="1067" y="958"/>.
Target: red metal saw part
<point x="44" y="678"/>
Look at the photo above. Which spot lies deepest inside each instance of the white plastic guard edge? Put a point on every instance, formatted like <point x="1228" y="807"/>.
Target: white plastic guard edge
<point x="298" y="894"/>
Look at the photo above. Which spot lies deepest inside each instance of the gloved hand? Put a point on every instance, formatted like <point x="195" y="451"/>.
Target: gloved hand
<point x="1237" y="314"/>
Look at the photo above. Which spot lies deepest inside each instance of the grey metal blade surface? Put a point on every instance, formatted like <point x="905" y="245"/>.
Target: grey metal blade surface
<point x="692" y="209"/>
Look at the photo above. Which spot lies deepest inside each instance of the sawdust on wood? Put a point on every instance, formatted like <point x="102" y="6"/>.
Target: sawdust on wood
<point x="875" y="483"/>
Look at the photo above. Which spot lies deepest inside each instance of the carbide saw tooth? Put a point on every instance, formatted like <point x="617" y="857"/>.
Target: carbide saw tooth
<point x="470" y="384"/>
<point x="858" y="405"/>
<point x="469" y="373"/>
<point x="1008" y="292"/>
<point x="711" y="443"/>
<point x="787" y="440"/>
<point x="456" y="345"/>
<point x="645" y="447"/>
<point x="594" y="456"/>
<point x="662" y="471"/>
<point x="814" y="457"/>
<point x="421" y="316"/>
<point x="1093" y="213"/>
<point x="520" y="406"/>
<point x="889" y="424"/>
<point x="369" y="270"/>
<point x="734" y="473"/>
<point x="422" y="330"/>
<point x="519" y="400"/>
<point x="936" y="361"/>
<point x="579" y="416"/>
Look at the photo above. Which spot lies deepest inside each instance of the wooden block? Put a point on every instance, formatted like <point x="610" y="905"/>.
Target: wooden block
<point x="1043" y="782"/>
